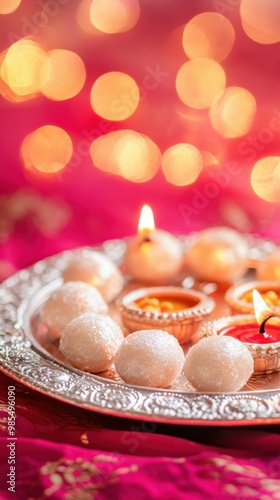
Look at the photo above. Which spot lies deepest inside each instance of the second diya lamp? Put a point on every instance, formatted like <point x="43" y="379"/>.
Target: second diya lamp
<point x="260" y="333"/>
<point x="178" y="311"/>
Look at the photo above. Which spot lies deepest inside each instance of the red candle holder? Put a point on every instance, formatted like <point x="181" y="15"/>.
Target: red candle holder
<point x="265" y="348"/>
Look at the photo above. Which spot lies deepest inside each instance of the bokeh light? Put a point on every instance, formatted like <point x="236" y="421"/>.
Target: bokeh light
<point x="127" y="153"/>
<point x="9" y="6"/>
<point x="182" y="164"/>
<point x="6" y="91"/>
<point x="199" y="81"/>
<point x="233" y="112"/>
<point x="208" y="35"/>
<point x="209" y="160"/>
<point x="67" y="75"/>
<point x="261" y="20"/>
<point x="25" y="67"/>
<point x="114" y="16"/>
<point x="47" y="149"/>
<point x="83" y="17"/>
<point x="114" y="96"/>
<point x="265" y="178"/>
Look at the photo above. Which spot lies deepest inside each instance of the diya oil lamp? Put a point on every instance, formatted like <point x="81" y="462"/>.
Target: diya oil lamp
<point x="153" y="255"/>
<point x="174" y="309"/>
<point x="260" y="333"/>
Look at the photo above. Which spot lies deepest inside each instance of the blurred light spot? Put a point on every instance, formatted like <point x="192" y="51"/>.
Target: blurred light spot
<point x="233" y="112"/>
<point x="265" y="178"/>
<point x="127" y="153"/>
<point x="114" y="96"/>
<point x="47" y="149"/>
<point x="208" y="35"/>
<point x="208" y="159"/>
<point x="83" y="17"/>
<point x="199" y="81"/>
<point x="6" y="91"/>
<point x="67" y="75"/>
<point x="114" y="16"/>
<point x="261" y="19"/>
<point x="9" y="6"/>
<point x="182" y="164"/>
<point x="25" y="67"/>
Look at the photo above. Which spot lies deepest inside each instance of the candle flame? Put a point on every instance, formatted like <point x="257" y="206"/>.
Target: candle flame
<point x="146" y="221"/>
<point x="262" y="311"/>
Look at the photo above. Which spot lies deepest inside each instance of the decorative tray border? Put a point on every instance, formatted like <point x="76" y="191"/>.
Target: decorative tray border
<point x="20" y="359"/>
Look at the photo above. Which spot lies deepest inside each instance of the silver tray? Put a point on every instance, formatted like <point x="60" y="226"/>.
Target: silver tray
<point x="31" y="357"/>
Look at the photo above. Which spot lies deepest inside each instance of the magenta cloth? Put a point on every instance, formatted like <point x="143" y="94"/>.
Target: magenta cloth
<point x="62" y="452"/>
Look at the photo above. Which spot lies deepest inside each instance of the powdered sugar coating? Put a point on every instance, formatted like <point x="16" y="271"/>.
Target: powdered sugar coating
<point x="152" y="358"/>
<point x="218" y="364"/>
<point x="97" y="270"/>
<point x="90" y="342"/>
<point x="218" y="254"/>
<point x="71" y="300"/>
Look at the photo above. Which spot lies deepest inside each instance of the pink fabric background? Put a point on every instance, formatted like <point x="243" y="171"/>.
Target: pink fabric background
<point x="67" y="453"/>
<point x="81" y="205"/>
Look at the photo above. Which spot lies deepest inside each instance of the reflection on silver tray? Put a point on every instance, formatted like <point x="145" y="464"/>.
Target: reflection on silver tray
<point x="31" y="357"/>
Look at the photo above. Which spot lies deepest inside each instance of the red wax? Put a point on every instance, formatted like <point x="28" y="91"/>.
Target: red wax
<point x="250" y="333"/>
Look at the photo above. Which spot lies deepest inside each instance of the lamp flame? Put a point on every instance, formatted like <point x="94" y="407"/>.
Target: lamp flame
<point x="146" y="223"/>
<point x="262" y="311"/>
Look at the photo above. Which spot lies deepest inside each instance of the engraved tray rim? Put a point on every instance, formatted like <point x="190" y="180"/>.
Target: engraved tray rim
<point x="21" y="360"/>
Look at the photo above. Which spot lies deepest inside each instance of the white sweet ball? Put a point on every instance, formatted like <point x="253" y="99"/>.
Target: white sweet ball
<point x="90" y="342"/>
<point x="151" y="358"/>
<point x="68" y="302"/>
<point x="96" y="269"/>
<point x="158" y="258"/>
<point x="218" y="254"/>
<point x="269" y="269"/>
<point x="218" y="364"/>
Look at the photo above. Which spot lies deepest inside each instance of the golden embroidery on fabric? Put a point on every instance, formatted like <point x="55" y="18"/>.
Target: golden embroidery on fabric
<point x="80" y="479"/>
<point x="48" y="216"/>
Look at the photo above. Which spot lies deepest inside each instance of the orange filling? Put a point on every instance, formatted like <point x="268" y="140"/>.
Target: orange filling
<point x="162" y="304"/>
<point x="270" y="297"/>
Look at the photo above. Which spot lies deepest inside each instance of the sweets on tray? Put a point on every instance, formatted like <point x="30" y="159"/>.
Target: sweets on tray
<point x="150" y="358"/>
<point x="218" y="364"/>
<point x="69" y="301"/>
<point x="95" y="269"/>
<point x="218" y="254"/>
<point x="90" y="342"/>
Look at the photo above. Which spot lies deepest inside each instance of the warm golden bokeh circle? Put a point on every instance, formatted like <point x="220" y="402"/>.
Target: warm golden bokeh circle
<point x="182" y="164"/>
<point x="233" y="112"/>
<point x="209" y="160"/>
<point x="66" y="77"/>
<point x="208" y="35"/>
<point x="126" y="153"/>
<point x="47" y="149"/>
<point x="199" y="81"/>
<point x="9" y="6"/>
<point x="115" y="96"/>
<point x="265" y="178"/>
<point x="261" y="20"/>
<point x="114" y="16"/>
<point x="25" y="67"/>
